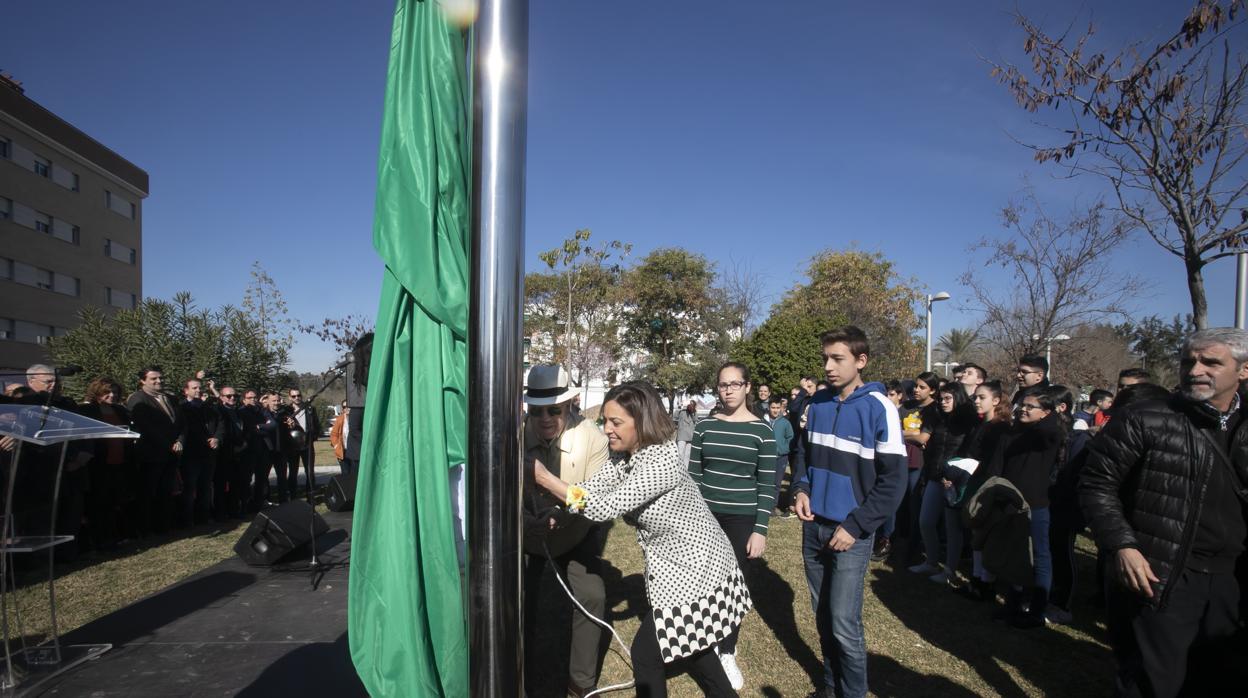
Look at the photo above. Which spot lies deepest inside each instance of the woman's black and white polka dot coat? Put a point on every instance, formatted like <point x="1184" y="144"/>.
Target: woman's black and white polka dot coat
<point x="691" y="572"/>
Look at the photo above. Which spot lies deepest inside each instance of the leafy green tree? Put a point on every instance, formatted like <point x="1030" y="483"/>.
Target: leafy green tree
<point x="783" y="349"/>
<point x="957" y="344"/>
<point x="1166" y="126"/>
<point x="850" y="287"/>
<point x="675" y="317"/>
<point x="177" y="336"/>
<point x="1157" y="344"/>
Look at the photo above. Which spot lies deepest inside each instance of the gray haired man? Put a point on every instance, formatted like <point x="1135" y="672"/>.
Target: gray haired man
<point x="1164" y="491"/>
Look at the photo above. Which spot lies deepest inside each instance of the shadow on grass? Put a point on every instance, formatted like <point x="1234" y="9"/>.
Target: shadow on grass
<point x="775" y="602"/>
<point x="1050" y="660"/>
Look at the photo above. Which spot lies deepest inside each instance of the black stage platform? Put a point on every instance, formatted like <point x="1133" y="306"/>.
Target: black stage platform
<point x="231" y="630"/>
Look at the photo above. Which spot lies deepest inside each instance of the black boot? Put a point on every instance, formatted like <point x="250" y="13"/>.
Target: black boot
<point x="1034" y="617"/>
<point x="976" y="590"/>
<point x="1013" y="606"/>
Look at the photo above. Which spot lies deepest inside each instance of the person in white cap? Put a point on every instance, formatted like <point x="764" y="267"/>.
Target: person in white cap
<point x="574" y="449"/>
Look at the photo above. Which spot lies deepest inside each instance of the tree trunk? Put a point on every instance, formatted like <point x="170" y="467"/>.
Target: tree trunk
<point x="1196" y="288"/>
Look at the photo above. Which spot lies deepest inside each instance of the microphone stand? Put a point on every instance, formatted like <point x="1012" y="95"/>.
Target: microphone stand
<point x="317" y="573"/>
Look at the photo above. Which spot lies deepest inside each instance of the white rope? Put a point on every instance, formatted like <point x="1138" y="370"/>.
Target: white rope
<point x="599" y="621"/>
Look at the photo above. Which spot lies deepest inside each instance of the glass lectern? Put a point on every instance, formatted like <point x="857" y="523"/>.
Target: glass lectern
<point x="28" y="426"/>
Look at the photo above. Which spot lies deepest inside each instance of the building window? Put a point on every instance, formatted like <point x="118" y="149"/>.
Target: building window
<point x="6" y="209"/>
<point x="41" y="166"/>
<point x="43" y="278"/>
<point x="75" y="186"/>
<point x="6" y="328"/>
<point x="121" y="253"/>
<point x="119" y="204"/>
<point x="120" y="299"/>
<point x="30" y="332"/>
<point x="6" y="269"/>
<point x="65" y="231"/>
<point x="43" y="222"/>
<point x="65" y="284"/>
<point x="6" y="148"/>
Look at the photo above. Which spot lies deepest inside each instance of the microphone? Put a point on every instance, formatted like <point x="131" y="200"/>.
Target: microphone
<point x="341" y="365"/>
<point x="69" y="370"/>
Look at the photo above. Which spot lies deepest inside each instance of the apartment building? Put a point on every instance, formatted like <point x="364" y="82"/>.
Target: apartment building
<point x="71" y="224"/>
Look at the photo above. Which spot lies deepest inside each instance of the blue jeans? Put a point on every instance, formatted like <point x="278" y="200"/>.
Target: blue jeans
<point x="782" y="464"/>
<point x="836" y="581"/>
<point x="1040" y="548"/>
<point x="931" y="514"/>
<point x="890" y="524"/>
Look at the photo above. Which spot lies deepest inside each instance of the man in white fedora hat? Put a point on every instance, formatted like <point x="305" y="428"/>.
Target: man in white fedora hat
<point x="573" y="449"/>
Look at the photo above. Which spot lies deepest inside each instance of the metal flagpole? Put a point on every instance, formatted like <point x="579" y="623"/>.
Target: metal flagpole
<point x="500" y="84"/>
<point x="1241" y="290"/>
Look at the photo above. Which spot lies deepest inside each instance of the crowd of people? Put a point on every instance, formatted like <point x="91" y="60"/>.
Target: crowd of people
<point x="987" y="482"/>
<point x="204" y="454"/>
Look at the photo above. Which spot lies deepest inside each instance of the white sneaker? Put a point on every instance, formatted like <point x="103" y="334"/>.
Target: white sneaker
<point x="729" y="663"/>
<point x="923" y="568"/>
<point x="940" y="578"/>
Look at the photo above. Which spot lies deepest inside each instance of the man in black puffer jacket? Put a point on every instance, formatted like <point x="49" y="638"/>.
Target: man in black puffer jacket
<point x="1163" y="490"/>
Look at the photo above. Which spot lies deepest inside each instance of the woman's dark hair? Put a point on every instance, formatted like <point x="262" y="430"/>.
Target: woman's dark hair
<point x="960" y="400"/>
<point x="745" y="371"/>
<point x="1042" y="394"/>
<point x="100" y="387"/>
<point x="1000" y="413"/>
<point x="643" y="403"/>
<point x="929" y="379"/>
<point x="1062" y="396"/>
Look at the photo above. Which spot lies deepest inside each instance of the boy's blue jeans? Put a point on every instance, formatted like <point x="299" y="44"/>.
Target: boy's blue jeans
<point x="836" y="582"/>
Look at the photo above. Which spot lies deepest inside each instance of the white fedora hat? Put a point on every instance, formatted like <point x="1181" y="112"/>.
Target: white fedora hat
<point x="548" y="385"/>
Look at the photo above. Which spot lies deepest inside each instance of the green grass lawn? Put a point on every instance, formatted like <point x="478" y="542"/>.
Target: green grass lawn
<point x="922" y="639"/>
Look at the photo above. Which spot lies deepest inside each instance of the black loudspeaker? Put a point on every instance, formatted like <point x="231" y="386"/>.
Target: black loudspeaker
<point x="340" y="496"/>
<point x="278" y="532"/>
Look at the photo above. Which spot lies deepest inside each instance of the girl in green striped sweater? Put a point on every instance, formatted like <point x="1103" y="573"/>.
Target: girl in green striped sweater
<point x="733" y="459"/>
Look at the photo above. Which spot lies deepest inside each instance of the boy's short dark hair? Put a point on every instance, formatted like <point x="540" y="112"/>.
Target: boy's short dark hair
<point x="775" y="400"/>
<point x="1035" y="361"/>
<point x="1098" y="395"/>
<point x="968" y="365"/>
<point x="1137" y="373"/>
<point x="851" y="337"/>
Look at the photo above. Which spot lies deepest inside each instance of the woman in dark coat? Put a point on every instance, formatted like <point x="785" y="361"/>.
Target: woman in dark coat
<point x="112" y="472"/>
<point x="1028" y="462"/>
<point x="956" y="420"/>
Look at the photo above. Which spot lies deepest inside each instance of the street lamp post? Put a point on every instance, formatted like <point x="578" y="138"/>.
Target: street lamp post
<point x="942" y="296"/>
<point x="1048" y="351"/>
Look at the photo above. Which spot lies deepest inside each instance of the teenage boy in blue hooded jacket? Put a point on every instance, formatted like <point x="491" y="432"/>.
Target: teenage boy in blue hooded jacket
<point x="853" y="474"/>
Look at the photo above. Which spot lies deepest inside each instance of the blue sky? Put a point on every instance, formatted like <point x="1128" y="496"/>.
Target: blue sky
<point x="757" y="133"/>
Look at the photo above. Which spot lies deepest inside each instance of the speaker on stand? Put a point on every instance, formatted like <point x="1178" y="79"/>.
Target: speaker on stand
<point x="278" y="532"/>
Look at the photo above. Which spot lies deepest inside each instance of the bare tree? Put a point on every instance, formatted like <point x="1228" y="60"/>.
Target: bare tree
<point x="1166" y="126"/>
<point x="743" y="297"/>
<point x="1062" y="275"/>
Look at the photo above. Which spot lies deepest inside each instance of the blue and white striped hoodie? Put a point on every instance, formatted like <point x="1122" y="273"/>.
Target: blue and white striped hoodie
<point x="852" y="463"/>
